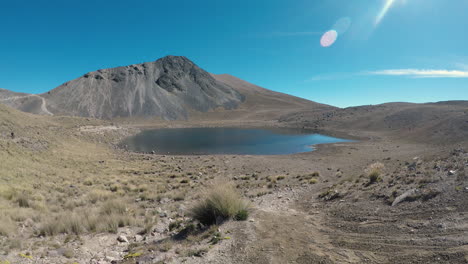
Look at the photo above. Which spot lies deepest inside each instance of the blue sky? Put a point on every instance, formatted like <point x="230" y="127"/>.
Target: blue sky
<point x="400" y="50"/>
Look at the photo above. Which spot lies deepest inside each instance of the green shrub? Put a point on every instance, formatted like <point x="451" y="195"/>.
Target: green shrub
<point x="242" y="215"/>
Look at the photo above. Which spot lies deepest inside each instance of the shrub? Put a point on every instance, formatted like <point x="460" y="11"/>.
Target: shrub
<point x="23" y="200"/>
<point x="373" y="172"/>
<point x="374" y="176"/>
<point x="242" y="215"/>
<point x="62" y="224"/>
<point x="179" y="197"/>
<point x="313" y="181"/>
<point x="98" y="195"/>
<point x="220" y="204"/>
<point x="113" y="207"/>
<point x="7" y="226"/>
<point x="88" y="182"/>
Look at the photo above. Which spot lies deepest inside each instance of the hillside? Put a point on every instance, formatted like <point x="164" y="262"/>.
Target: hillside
<point x="170" y="88"/>
<point x="30" y="103"/>
<point x="439" y="123"/>
<point x="68" y="195"/>
<point x="167" y="88"/>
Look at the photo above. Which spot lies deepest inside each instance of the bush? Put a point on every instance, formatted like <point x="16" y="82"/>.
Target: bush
<point x="23" y="200"/>
<point x="63" y="224"/>
<point x="374" y="176"/>
<point x="374" y="171"/>
<point x="242" y="215"/>
<point x="7" y="226"/>
<point x="113" y="207"/>
<point x="313" y="181"/>
<point x="220" y="204"/>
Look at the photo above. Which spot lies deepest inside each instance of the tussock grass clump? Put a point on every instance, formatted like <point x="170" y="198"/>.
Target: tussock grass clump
<point x="111" y="215"/>
<point x="313" y="181"/>
<point x="220" y="204"/>
<point x="113" y="207"/>
<point x="98" y="195"/>
<point x="64" y="223"/>
<point x="7" y="226"/>
<point x="374" y="171"/>
<point x="23" y="201"/>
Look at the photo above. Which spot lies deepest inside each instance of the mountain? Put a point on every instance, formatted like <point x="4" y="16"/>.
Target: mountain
<point x="168" y="88"/>
<point x="171" y="88"/>
<point x="441" y="122"/>
<point x="264" y="104"/>
<point x="30" y="103"/>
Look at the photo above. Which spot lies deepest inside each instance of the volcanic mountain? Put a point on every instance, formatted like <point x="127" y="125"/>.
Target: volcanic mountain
<point x="167" y="88"/>
<point x="171" y="88"/>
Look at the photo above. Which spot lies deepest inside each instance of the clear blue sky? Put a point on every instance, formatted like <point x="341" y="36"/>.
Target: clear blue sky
<point x="400" y="50"/>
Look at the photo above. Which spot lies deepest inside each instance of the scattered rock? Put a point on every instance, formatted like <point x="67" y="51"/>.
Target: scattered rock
<point x="162" y="214"/>
<point x="330" y="194"/>
<point x="138" y="238"/>
<point x="122" y="239"/>
<point x="404" y="196"/>
<point x="110" y="259"/>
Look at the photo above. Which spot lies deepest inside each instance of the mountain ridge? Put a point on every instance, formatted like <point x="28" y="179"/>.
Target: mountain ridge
<point x="167" y="88"/>
<point x="172" y="87"/>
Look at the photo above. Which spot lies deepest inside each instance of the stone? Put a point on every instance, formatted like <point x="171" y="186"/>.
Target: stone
<point x="404" y="196"/>
<point x="138" y="238"/>
<point x="122" y="239"/>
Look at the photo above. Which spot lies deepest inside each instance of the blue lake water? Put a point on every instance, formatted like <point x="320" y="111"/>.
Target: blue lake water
<point x="242" y="141"/>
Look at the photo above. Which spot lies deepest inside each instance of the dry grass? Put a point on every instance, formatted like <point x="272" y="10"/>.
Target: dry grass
<point x="63" y="181"/>
<point x="7" y="226"/>
<point x="374" y="171"/>
<point x="220" y="204"/>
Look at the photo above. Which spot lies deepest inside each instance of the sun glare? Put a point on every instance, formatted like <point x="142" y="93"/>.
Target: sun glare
<point x="328" y="38"/>
<point x="388" y="4"/>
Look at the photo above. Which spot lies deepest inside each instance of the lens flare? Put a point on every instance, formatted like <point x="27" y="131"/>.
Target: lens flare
<point x="328" y="38"/>
<point x="383" y="12"/>
<point x="342" y="25"/>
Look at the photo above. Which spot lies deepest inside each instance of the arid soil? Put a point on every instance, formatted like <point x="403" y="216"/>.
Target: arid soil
<point x="398" y="194"/>
<point x="316" y="207"/>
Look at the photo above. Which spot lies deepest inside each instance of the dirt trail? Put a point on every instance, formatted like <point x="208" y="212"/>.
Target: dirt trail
<point x="43" y="105"/>
<point x="295" y="227"/>
<point x="281" y="233"/>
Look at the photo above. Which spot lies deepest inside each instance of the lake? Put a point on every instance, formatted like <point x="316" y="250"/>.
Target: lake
<point x="242" y="141"/>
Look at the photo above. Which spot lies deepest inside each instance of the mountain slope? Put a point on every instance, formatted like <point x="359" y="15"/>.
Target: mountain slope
<point x="263" y="98"/>
<point x="441" y="122"/>
<point x="260" y="104"/>
<point x="168" y="88"/>
<point x="30" y="103"/>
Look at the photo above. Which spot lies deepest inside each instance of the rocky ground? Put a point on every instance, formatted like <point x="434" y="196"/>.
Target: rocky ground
<point x="70" y="195"/>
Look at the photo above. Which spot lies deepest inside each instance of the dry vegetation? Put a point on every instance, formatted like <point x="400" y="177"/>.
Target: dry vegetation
<point x="222" y="203"/>
<point x="57" y="182"/>
<point x="62" y="189"/>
